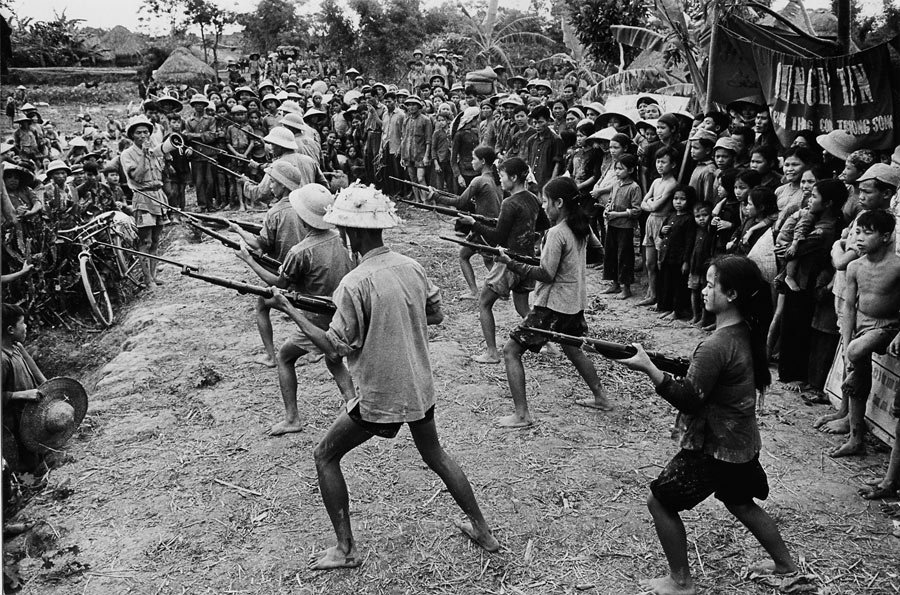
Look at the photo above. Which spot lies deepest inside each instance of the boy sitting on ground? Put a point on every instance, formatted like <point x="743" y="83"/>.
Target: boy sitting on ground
<point x="871" y="317"/>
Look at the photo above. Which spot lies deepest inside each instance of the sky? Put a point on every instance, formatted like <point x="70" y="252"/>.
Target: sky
<point x="109" y="13"/>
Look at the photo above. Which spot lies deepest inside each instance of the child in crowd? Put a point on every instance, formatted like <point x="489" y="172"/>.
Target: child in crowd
<point x="700" y="253"/>
<point x="658" y="203"/>
<point x="621" y="216"/>
<point x="703" y="178"/>
<point x="854" y="167"/>
<point x="724" y="154"/>
<point x="177" y="170"/>
<point x="560" y="298"/>
<point x="764" y="161"/>
<point x="440" y="151"/>
<point x="871" y="318"/>
<point x="727" y="213"/>
<point x="759" y="215"/>
<point x="719" y="435"/>
<point x="677" y="236"/>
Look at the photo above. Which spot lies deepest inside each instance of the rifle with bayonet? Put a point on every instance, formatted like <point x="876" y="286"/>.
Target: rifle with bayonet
<point x="491" y="221"/>
<point x="677" y="366"/>
<point x="317" y="305"/>
<point x="523" y="258"/>
<point x="429" y="189"/>
<point x="191" y="219"/>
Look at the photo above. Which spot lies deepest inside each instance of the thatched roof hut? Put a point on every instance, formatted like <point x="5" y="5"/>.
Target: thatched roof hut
<point x="183" y="67"/>
<point x="125" y="45"/>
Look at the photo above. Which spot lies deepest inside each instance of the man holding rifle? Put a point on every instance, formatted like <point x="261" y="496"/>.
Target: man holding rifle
<point x="314" y="266"/>
<point x="282" y="230"/>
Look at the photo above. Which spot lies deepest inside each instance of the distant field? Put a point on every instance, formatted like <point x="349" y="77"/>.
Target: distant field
<point x="70" y="75"/>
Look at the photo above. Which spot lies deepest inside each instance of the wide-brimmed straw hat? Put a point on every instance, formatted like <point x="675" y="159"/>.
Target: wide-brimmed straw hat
<point x="311" y="202"/>
<point x="604" y="118"/>
<point x="169" y="103"/>
<point x="839" y="143"/>
<point x="25" y="174"/>
<point x="58" y="165"/>
<point x="281" y="136"/>
<point x="884" y="173"/>
<point x="286" y="174"/>
<point x="49" y="423"/>
<point x="362" y="207"/>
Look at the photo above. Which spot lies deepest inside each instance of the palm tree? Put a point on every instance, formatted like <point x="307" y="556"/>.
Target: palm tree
<point x="492" y="41"/>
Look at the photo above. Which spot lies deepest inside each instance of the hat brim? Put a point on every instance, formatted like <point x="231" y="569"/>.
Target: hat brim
<point x="288" y="183"/>
<point x="832" y="148"/>
<point x="33" y="433"/>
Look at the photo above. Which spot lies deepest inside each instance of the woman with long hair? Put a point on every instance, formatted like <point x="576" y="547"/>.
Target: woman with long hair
<point x="560" y="297"/>
<point x="720" y="441"/>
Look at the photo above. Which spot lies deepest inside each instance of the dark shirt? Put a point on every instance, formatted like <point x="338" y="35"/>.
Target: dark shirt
<point x="545" y="153"/>
<point x="701" y="249"/>
<point x="677" y="243"/>
<point x="515" y="229"/>
<point x="716" y="401"/>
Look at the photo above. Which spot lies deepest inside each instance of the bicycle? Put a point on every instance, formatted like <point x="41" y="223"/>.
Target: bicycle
<point x="112" y="228"/>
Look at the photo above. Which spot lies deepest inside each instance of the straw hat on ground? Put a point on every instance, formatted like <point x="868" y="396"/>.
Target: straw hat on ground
<point x="49" y="423"/>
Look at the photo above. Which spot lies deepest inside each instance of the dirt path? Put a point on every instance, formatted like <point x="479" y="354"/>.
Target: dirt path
<point x="172" y="487"/>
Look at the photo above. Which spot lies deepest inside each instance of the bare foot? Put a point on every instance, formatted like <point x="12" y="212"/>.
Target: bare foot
<point x="487" y="358"/>
<point x="157" y="281"/>
<point x="601" y="404"/>
<point x="821" y="421"/>
<point x="667" y="315"/>
<point x="710" y="327"/>
<point x="335" y="558"/>
<point x="514" y="421"/>
<point x="265" y="360"/>
<point x="285" y="427"/>
<point x="484" y="538"/>
<point x="850" y="448"/>
<point x="666" y="585"/>
<point x="770" y="567"/>
<point x="647" y="301"/>
<point x="612" y="289"/>
<point x="624" y="295"/>
<point x="879" y="492"/>
<point x="468" y="296"/>
<point x="838" y="426"/>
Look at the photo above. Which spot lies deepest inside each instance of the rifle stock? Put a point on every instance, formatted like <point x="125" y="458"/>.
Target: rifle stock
<point x="677" y="366"/>
<point x="523" y="258"/>
<point x="317" y="305"/>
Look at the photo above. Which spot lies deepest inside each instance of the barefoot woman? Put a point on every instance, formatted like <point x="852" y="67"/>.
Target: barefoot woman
<point x="383" y="307"/>
<point x="720" y="440"/>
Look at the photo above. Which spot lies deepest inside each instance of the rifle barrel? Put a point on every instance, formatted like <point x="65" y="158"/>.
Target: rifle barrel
<point x="523" y="258"/>
<point x="145" y="255"/>
<point x="217" y="164"/>
<point x="221" y="151"/>
<point x="232" y="122"/>
<point x="423" y="187"/>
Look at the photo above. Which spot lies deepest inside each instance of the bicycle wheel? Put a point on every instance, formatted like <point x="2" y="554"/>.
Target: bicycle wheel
<point x="95" y="288"/>
<point x="128" y="265"/>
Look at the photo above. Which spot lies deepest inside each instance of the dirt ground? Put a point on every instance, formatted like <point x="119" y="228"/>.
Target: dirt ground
<point x="171" y="486"/>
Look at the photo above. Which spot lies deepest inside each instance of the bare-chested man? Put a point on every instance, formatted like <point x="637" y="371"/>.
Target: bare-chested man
<point x="876" y="189"/>
<point x="871" y="318"/>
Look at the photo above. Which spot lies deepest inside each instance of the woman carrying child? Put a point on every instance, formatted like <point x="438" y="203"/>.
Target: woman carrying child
<point x="560" y="297"/>
<point x="720" y="440"/>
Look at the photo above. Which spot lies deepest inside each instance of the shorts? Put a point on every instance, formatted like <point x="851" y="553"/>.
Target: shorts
<point x="501" y="281"/>
<point x="692" y="476"/>
<point x="386" y="430"/>
<point x="654" y="227"/>
<point x="888" y="327"/>
<point x="298" y="339"/>
<point x="548" y="320"/>
<point x="145" y="219"/>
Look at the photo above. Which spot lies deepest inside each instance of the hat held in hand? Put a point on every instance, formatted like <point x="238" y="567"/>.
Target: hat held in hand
<point x="49" y="423"/>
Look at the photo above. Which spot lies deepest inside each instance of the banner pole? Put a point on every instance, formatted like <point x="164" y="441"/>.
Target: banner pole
<point x="711" y="70"/>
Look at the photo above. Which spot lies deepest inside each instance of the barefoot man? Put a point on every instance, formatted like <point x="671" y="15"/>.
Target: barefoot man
<point x="871" y="318"/>
<point x="315" y="266"/>
<point x="383" y="307"/>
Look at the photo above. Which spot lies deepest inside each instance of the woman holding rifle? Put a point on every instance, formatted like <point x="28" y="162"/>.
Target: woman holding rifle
<point x="560" y="297"/>
<point x="720" y="440"/>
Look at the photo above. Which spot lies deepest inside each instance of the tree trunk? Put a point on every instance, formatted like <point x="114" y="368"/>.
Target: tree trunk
<point x="490" y="17"/>
<point x="203" y="44"/>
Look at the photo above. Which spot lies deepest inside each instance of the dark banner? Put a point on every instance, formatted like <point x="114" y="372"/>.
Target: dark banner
<point x="850" y="92"/>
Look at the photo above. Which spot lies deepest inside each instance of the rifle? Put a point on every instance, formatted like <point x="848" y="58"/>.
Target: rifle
<point x="523" y="258"/>
<point x="317" y="305"/>
<point x="247" y="226"/>
<point x="221" y="151"/>
<point x="424" y="187"/>
<point x="677" y="366"/>
<point x="262" y="259"/>
<point x="215" y="163"/>
<point x="241" y="126"/>
<point x="450" y="211"/>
